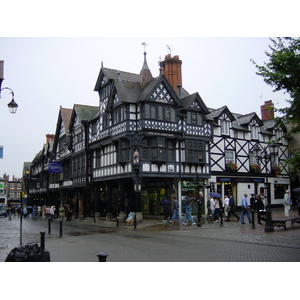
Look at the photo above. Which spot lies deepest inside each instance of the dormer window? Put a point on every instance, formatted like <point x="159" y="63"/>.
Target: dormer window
<point x="254" y="132"/>
<point x="194" y="118"/>
<point x="224" y="127"/>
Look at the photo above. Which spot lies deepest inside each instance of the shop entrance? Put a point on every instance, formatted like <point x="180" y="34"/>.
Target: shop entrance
<point x="151" y="201"/>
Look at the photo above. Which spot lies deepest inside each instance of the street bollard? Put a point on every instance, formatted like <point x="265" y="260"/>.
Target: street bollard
<point x="49" y="225"/>
<point x="60" y="228"/>
<point x="134" y="222"/>
<point x="43" y="239"/>
<point x="117" y="220"/>
<point x="102" y="256"/>
<point x="253" y="223"/>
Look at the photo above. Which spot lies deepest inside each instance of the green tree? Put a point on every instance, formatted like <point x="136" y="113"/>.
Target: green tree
<point x="282" y="72"/>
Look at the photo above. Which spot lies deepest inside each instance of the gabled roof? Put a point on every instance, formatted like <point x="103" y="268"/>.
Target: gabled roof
<point x="190" y="99"/>
<point x="66" y="117"/>
<point x="216" y="113"/>
<point x="246" y="119"/>
<point x="83" y="112"/>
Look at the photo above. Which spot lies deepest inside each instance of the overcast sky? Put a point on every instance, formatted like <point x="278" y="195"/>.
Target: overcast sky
<point x="48" y="72"/>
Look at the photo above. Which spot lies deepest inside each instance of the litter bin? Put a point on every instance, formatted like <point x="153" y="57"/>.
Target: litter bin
<point x="28" y="253"/>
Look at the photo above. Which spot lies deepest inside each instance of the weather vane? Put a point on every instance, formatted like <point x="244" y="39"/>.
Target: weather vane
<point x="145" y="45"/>
<point x="170" y="49"/>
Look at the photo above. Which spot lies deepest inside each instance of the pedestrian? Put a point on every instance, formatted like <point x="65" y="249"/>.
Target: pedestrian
<point x="52" y="212"/>
<point x="69" y="214"/>
<point x="165" y="205"/>
<point x="188" y="209"/>
<point x="231" y="208"/>
<point x="212" y="207"/>
<point x="226" y="205"/>
<point x="61" y="212"/>
<point x="175" y="210"/>
<point x="44" y="212"/>
<point x="8" y="211"/>
<point x="25" y="211"/>
<point x="208" y="215"/>
<point x="48" y="212"/>
<point x="287" y="203"/>
<point x="298" y="205"/>
<point x="34" y="212"/>
<point x="39" y="210"/>
<point x="258" y="205"/>
<point x="245" y="210"/>
<point x="218" y="211"/>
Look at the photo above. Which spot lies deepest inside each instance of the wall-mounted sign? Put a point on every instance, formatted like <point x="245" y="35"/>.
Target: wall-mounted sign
<point x="55" y="167"/>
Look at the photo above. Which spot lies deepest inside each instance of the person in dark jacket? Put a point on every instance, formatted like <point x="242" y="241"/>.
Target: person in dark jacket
<point x="165" y="205"/>
<point x="175" y="210"/>
<point x="257" y="206"/>
<point x="231" y="208"/>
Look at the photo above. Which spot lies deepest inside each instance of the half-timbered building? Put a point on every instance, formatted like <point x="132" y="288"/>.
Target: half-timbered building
<point x="235" y="169"/>
<point x="149" y="137"/>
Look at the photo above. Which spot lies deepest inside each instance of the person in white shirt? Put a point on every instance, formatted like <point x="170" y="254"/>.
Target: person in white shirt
<point x="226" y="205"/>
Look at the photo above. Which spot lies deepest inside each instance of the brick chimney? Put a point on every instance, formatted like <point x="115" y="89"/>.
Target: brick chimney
<point x="171" y="68"/>
<point x="267" y="111"/>
<point x="49" y="137"/>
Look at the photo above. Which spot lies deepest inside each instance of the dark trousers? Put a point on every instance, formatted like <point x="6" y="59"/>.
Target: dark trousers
<point x="231" y="212"/>
<point x="166" y="213"/>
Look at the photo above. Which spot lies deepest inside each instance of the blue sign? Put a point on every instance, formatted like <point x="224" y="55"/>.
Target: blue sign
<point x="1" y="151"/>
<point x="55" y="167"/>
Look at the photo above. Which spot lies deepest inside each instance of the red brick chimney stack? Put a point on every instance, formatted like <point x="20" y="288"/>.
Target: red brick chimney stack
<point x="267" y="111"/>
<point x="171" y="68"/>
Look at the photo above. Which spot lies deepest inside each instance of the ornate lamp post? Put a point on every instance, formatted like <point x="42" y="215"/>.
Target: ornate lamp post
<point x="263" y="156"/>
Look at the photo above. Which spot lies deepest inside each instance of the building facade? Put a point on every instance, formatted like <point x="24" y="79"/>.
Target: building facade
<point x="149" y="138"/>
<point x="235" y="168"/>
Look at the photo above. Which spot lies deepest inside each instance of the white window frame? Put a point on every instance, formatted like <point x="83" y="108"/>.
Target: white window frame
<point x="224" y="127"/>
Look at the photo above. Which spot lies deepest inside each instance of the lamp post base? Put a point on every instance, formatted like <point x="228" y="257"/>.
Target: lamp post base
<point x="269" y="225"/>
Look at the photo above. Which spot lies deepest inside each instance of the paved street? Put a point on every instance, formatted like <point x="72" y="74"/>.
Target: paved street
<point x="155" y="241"/>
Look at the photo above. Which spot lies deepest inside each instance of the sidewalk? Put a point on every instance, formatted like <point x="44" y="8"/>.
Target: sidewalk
<point x="81" y="241"/>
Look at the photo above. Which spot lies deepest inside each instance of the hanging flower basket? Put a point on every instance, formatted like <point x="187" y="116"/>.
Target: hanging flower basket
<point x="276" y="169"/>
<point x="255" y="168"/>
<point x="231" y="166"/>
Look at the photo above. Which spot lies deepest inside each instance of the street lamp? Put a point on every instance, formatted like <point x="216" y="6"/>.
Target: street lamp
<point x="263" y="156"/>
<point x="12" y="105"/>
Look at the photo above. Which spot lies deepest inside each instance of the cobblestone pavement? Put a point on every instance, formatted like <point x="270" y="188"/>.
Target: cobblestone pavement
<point x="155" y="241"/>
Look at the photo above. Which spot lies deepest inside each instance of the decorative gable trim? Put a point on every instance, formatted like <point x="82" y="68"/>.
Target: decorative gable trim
<point x="162" y="92"/>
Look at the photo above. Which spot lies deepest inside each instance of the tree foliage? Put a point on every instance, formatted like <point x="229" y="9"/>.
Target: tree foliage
<point x="282" y="72"/>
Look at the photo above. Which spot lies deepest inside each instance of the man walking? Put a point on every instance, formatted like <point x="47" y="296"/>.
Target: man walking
<point x="286" y="203"/>
<point x="175" y="210"/>
<point x="245" y="210"/>
<point x="188" y="209"/>
<point x="165" y="205"/>
<point x="231" y="208"/>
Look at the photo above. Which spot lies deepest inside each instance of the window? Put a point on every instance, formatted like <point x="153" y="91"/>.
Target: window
<point x="124" y="150"/>
<point x="195" y="151"/>
<point x="229" y="156"/>
<point x="162" y="113"/>
<point x="224" y="127"/>
<point x="158" y="149"/>
<point x="97" y="158"/>
<point x="194" y="118"/>
<point x="118" y="114"/>
<point x="254" y="132"/>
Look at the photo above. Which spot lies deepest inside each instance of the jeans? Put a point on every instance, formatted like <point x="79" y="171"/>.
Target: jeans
<point x="188" y="216"/>
<point x="176" y="215"/>
<point x="245" y="212"/>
